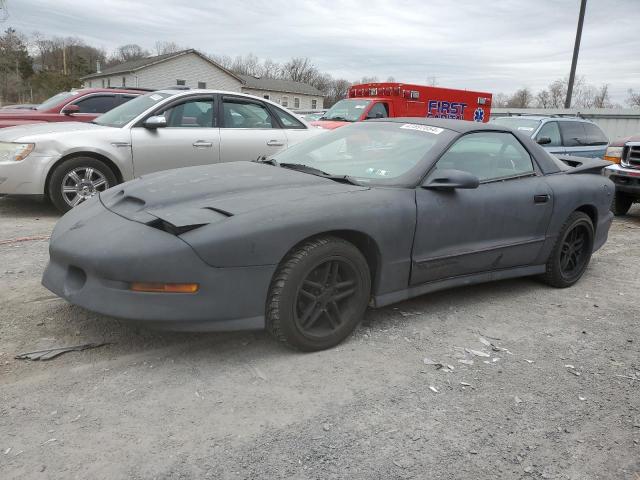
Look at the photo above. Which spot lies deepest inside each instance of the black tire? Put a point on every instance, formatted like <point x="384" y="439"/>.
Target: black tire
<point x="567" y="263"/>
<point x="85" y="188"/>
<point x="304" y="309"/>
<point x="621" y="204"/>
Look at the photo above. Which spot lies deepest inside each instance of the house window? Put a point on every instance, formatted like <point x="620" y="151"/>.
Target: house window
<point x="181" y="82"/>
<point x="285" y="101"/>
<point x="202" y="84"/>
<point x="124" y="81"/>
<point x="109" y="82"/>
<point x="266" y="97"/>
<point x="314" y="104"/>
<point x="296" y="102"/>
<point x="103" y="83"/>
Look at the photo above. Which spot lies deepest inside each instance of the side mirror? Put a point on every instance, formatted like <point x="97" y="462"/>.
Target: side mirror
<point x="157" y="121"/>
<point x="71" y="109"/>
<point x="543" y="140"/>
<point x="450" y="179"/>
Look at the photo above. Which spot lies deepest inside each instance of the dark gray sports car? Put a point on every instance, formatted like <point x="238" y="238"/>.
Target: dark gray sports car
<point x="301" y="243"/>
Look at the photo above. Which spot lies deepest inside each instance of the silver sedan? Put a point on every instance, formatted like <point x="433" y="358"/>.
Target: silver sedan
<point x="70" y="162"/>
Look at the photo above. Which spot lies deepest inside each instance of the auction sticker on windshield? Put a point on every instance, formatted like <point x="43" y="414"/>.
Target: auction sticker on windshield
<point x="422" y="128"/>
<point x="155" y="97"/>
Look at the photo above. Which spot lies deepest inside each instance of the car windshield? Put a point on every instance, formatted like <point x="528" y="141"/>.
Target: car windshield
<point x="55" y="100"/>
<point x="346" y="110"/>
<point x="525" y="125"/>
<point x="366" y="152"/>
<point x="126" y="112"/>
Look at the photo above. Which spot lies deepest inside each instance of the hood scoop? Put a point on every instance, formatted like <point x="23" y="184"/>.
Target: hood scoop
<point x="177" y="221"/>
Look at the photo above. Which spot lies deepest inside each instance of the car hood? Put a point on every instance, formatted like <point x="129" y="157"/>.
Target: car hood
<point x="195" y="196"/>
<point x="11" y="134"/>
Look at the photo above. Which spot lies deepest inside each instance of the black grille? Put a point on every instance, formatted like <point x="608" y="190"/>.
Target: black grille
<point x="632" y="156"/>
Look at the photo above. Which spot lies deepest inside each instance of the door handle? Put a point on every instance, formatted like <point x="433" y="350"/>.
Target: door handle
<point x="202" y="143"/>
<point x="541" y="198"/>
<point x="275" y="143"/>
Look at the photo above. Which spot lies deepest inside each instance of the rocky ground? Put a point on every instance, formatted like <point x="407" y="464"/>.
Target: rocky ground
<point x="556" y="397"/>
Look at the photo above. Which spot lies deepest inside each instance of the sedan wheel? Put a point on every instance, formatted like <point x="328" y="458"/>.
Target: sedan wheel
<point x="81" y="184"/>
<point x="318" y="294"/>
<point x="572" y="251"/>
<point x="76" y="180"/>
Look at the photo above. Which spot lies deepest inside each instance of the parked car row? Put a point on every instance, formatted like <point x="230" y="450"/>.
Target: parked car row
<point x="70" y="162"/>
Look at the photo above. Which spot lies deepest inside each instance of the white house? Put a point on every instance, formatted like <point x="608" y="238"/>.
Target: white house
<point x="192" y="69"/>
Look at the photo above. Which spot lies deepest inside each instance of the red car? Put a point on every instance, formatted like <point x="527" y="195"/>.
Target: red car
<point x="82" y="105"/>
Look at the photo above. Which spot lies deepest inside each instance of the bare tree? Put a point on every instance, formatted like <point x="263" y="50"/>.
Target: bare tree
<point x="369" y="79"/>
<point x="299" y="69"/>
<point x="163" y="47"/>
<point x="520" y="99"/>
<point x="499" y="100"/>
<point x="126" y="53"/>
<point x="432" y="81"/>
<point x="391" y="79"/>
<point x="634" y="98"/>
<point x="4" y="12"/>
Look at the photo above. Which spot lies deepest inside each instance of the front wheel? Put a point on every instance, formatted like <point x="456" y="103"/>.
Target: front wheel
<point x="319" y="294"/>
<point x="78" y="179"/>
<point x="571" y="253"/>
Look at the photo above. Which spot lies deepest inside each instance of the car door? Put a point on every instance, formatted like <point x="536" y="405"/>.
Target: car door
<point x="579" y="142"/>
<point x="501" y="224"/>
<point x="248" y="130"/>
<point x="294" y="129"/>
<point x="551" y="130"/>
<point x="190" y="138"/>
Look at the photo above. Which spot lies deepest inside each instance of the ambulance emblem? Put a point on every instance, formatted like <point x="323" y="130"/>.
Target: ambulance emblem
<point x="478" y="115"/>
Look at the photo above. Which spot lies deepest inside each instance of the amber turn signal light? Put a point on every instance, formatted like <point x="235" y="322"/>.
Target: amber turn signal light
<point x="612" y="159"/>
<point x="165" y="287"/>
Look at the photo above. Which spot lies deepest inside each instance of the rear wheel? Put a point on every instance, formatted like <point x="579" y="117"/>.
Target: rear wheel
<point x="78" y="179"/>
<point x="621" y="204"/>
<point x="571" y="253"/>
<point x="318" y="294"/>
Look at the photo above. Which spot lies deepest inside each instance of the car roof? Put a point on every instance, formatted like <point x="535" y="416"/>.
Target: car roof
<point x="545" y="117"/>
<point x="460" y="126"/>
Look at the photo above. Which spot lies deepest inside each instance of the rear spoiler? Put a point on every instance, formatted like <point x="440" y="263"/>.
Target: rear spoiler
<point x="583" y="165"/>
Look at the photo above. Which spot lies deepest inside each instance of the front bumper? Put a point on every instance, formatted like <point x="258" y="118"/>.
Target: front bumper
<point x="26" y="177"/>
<point x="627" y="180"/>
<point x="95" y="255"/>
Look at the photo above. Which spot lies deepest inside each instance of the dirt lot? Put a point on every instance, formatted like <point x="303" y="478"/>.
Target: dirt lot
<point x="174" y="406"/>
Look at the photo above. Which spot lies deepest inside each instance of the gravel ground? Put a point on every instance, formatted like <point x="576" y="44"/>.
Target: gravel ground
<point x="237" y="405"/>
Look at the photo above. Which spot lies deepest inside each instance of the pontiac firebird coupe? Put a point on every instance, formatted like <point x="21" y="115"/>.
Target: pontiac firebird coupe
<point x="302" y="242"/>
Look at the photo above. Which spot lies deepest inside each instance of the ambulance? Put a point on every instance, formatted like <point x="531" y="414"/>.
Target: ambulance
<point x="381" y="100"/>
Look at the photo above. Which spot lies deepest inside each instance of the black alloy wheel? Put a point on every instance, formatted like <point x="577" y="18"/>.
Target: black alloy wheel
<point x="318" y="294"/>
<point x="571" y="253"/>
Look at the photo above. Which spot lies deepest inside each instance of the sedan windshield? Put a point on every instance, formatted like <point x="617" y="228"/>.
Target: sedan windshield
<point x="526" y="125"/>
<point x="120" y="116"/>
<point x="367" y="152"/>
<point x="346" y="110"/>
<point x="55" y="100"/>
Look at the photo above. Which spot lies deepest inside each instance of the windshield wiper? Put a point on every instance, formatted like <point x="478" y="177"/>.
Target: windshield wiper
<point x="301" y="167"/>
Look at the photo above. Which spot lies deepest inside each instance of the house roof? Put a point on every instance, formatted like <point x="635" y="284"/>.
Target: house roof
<point x="249" y="81"/>
<point x="133" y="65"/>
<point x="276" y="85"/>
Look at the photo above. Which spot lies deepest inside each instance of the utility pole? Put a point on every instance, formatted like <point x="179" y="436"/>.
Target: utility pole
<point x="576" y="50"/>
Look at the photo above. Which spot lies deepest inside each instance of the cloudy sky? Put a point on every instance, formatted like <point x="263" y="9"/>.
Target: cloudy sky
<point x="494" y="46"/>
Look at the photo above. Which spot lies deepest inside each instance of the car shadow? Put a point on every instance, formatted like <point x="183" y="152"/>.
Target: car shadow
<point x="27" y="206"/>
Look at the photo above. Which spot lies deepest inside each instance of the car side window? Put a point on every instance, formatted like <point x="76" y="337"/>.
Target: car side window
<point x="488" y="155"/>
<point x="194" y="113"/>
<point x="96" y="103"/>
<point x="595" y="136"/>
<point x="573" y="134"/>
<point x="238" y="113"/>
<point x="379" y="110"/>
<point x="551" y="131"/>
<point x="288" y="121"/>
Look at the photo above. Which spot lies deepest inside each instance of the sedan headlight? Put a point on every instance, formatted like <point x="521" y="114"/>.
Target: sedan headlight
<point x="613" y="154"/>
<point x="15" y="152"/>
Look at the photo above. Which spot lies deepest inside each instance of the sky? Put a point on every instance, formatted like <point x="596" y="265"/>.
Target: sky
<point x="497" y="46"/>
